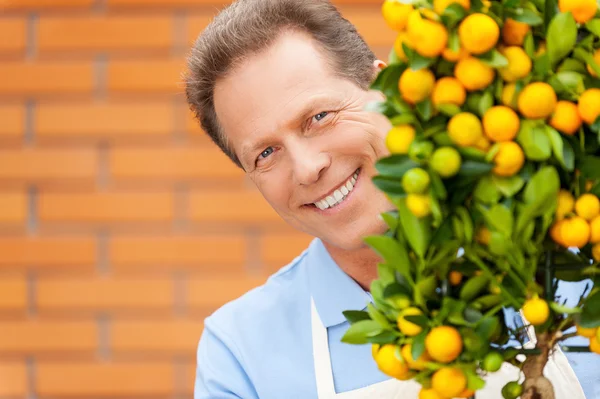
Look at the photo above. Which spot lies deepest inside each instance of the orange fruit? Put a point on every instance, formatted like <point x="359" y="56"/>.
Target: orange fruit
<point x="406" y="327"/>
<point x="500" y="123"/>
<point x="418" y="364"/>
<point x="586" y="332"/>
<point x="537" y="100"/>
<point x="589" y="105"/>
<point x="556" y="233"/>
<point x="587" y="206"/>
<point x="582" y="10"/>
<point x="454" y="56"/>
<point x="508" y="95"/>
<point x="596" y="252"/>
<point x="399" y="139"/>
<point x="389" y="364"/>
<point x="429" y="38"/>
<point x="566" y="204"/>
<point x="565" y="118"/>
<point x="595" y="230"/>
<point x="448" y="90"/>
<point x="444" y="344"/>
<point x="536" y="310"/>
<point x="455" y="277"/>
<point x="597" y="60"/>
<point x="595" y="345"/>
<point x="473" y="73"/>
<point x="478" y="33"/>
<point x="465" y="129"/>
<point x="418" y="205"/>
<point x="509" y="160"/>
<point x="519" y="64"/>
<point x="396" y="14"/>
<point x="440" y="5"/>
<point x="575" y="232"/>
<point x="514" y="32"/>
<point x="449" y="382"/>
<point x="416" y="86"/>
<point x="402" y="38"/>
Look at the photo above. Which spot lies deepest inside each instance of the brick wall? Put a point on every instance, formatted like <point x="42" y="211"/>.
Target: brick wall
<point x="121" y="226"/>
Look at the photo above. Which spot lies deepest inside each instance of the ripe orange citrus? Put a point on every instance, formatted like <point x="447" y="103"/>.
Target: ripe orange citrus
<point x="449" y="382"/>
<point x="556" y="233"/>
<point x="396" y="14"/>
<point x="596" y="252"/>
<point x="595" y="230"/>
<point x="389" y="364"/>
<point x="467" y="393"/>
<point x="429" y="38"/>
<point x="514" y="32"/>
<point x="405" y="326"/>
<point x="455" y="277"/>
<point x="587" y="206"/>
<point x="537" y="100"/>
<point x="483" y="235"/>
<point x="465" y="129"/>
<point x="478" y="33"/>
<point x="440" y="5"/>
<point x="454" y="56"/>
<point x="500" y="123"/>
<point x="519" y="64"/>
<point x="418" y="205"/>
<point x="508" y="95"/>
<point x="565" y="118"/>
<point x="589" y="105"/>
<point x="582" y="10"/>
<point x="509" y="160"/>
<point x="597" y="60"/>
<point x="483" y="144"/>
<point x="399" y="138"/>
<point x="400" y="39"/>
<point x="448" y="90"/>
<point x="444" y="344"/>
<point x="575" y="232"/>
<point x="473" y="73"/>
<point x="416" y="86"/>
<point x="586" y="332"/>
<point x="536" y="310"/>
<point x="595" y="345"/>
<point x="418" y="364"/>
<point x="566" y="204"/>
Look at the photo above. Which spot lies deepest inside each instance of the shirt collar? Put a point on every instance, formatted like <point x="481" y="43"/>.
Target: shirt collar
<point x="333" y="291"/>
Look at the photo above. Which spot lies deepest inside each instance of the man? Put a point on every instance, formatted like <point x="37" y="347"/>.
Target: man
<point x="280" y="86"/>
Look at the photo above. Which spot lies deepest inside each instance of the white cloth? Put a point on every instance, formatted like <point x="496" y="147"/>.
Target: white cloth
<point x="558" y="370"/>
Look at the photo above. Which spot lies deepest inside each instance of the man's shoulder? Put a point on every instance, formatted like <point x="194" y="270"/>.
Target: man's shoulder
<point x="279" y="295"/>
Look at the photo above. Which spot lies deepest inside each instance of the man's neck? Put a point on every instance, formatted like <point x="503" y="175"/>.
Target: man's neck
<point x="360" y="264"/>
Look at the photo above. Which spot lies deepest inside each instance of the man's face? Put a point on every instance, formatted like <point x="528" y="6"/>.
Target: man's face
<point x="301" y="134"/>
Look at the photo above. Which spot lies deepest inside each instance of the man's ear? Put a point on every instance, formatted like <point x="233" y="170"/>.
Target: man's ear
<point x="378" y="64"/>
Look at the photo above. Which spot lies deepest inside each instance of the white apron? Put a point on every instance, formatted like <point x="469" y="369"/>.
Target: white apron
<point x="558" y="370"/>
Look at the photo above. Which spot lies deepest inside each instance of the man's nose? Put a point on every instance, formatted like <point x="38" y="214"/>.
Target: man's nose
<point x="309" y="164"/>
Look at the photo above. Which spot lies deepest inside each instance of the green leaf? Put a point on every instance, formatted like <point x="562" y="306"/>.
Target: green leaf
<point x="454" y="41"/>
<point x="593" y="26"/>
<point x="588" y="58"/>
<point x="472" y="287"/>
<point x="561" y="148"/>
<point x="572" y="65"/>
<point x="589" y="167"/>
<point x="474" y="382"/>
<point x="466" y="221"/>
<point x="550" y="10"/>
<point x="453" y="14"/>
<point x="590" y="316"/>
<point x="474" y="168"/>
<point x="388" y="185"/>
<point x="534" y="141"/>
<point x="420" y="320"/>
<point x="387" y="79"/>
<point x="358" y="332"/>
<point x="437" y="186"/>
<point x="427" y="286"/>
<point x="393" y="253"/>
<point x="403" y="119"/>
<point x="498" y="218"/>
<point x="385" y="337"/>
<point x="508" y="186"/>
<point x="395" y="165"/>
<point x="567" y="82"/>
<point x="486" y="102"/>
<point x="487" y="327"/>
<point x="529" y="45"/>
<point x="564" y="309"/>
<point x="448" y="109"/>
<point x="526" y="16"/>
<point x="543" y="185"/>
<point x="417" y="231"/>
<point x="494" y="59"/>
<point x="487" y="191"/>
<point x="377" y="316"/>
<point x="541" y="65"/>
<point x="418" y="345"/>
<point x="354" y="316"/>
<point x="391" y="219"/>
<point x="415" y="60"/>
<point x="561" y="36"/>
<point x="425" y="109"/>
<point x="472" y="315"/>
<point x="396" y="289"/>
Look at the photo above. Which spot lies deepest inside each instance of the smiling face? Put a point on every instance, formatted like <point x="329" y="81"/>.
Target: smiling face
<point x="302" y="134"/>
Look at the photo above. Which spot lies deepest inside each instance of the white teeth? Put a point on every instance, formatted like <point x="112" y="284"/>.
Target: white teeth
<point x="338" y="195"/>
<point x="330" y="200"/>
<point x="319" y="205"/>
<point x="353" y="180"/>
<point x="324" y="204"/>
<point x="344" y="190"/>
<point x="349" y="185"/>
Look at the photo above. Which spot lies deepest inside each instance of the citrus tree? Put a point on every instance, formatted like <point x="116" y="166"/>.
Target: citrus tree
<point x="495" y="175"/>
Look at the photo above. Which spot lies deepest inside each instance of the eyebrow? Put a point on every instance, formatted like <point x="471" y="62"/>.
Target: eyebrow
<point x="305" y="112"/>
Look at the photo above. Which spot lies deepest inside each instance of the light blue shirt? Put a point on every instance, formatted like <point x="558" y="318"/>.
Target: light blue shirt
<point x="260" y="345"/>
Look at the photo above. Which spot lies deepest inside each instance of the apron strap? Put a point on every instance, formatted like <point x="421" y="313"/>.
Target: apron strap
<point x="322" y="360"/>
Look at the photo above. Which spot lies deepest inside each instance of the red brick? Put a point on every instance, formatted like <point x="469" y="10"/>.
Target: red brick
<point x="114" y="120"/>
<point x="213" y="292"/>
<point x="167" y="337"/>
<point x="147" y="76"/>
<point x="47" y="252"/>
<point x="29" y="165"/>
<point x="233" y="206"/>
<point x="187" y="163"/>
<point x="45" y="337"/>
<point x="105" y="33"/>
<point x="14" y="379"/>
<point x="13" y="121"/>
<point x="13" y="207"/>
<point x="14" y="295"/>
<point x="278" y="250"/>
<point x="106" y="380"/>
<point x="188" y="251"/>
<point x="99" y="294"/>
<point x="45" y="4"/>
<point x="24" y="78"/>
<point x="12" y="35"/>
<point x="113" y="207"/>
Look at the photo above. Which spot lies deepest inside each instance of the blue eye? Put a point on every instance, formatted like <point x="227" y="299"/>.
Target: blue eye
<point x="320" y="115"/>
<point x="266" y="152"/>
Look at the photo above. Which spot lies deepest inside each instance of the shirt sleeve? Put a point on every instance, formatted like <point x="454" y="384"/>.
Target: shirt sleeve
<point x="219" y="370"/>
